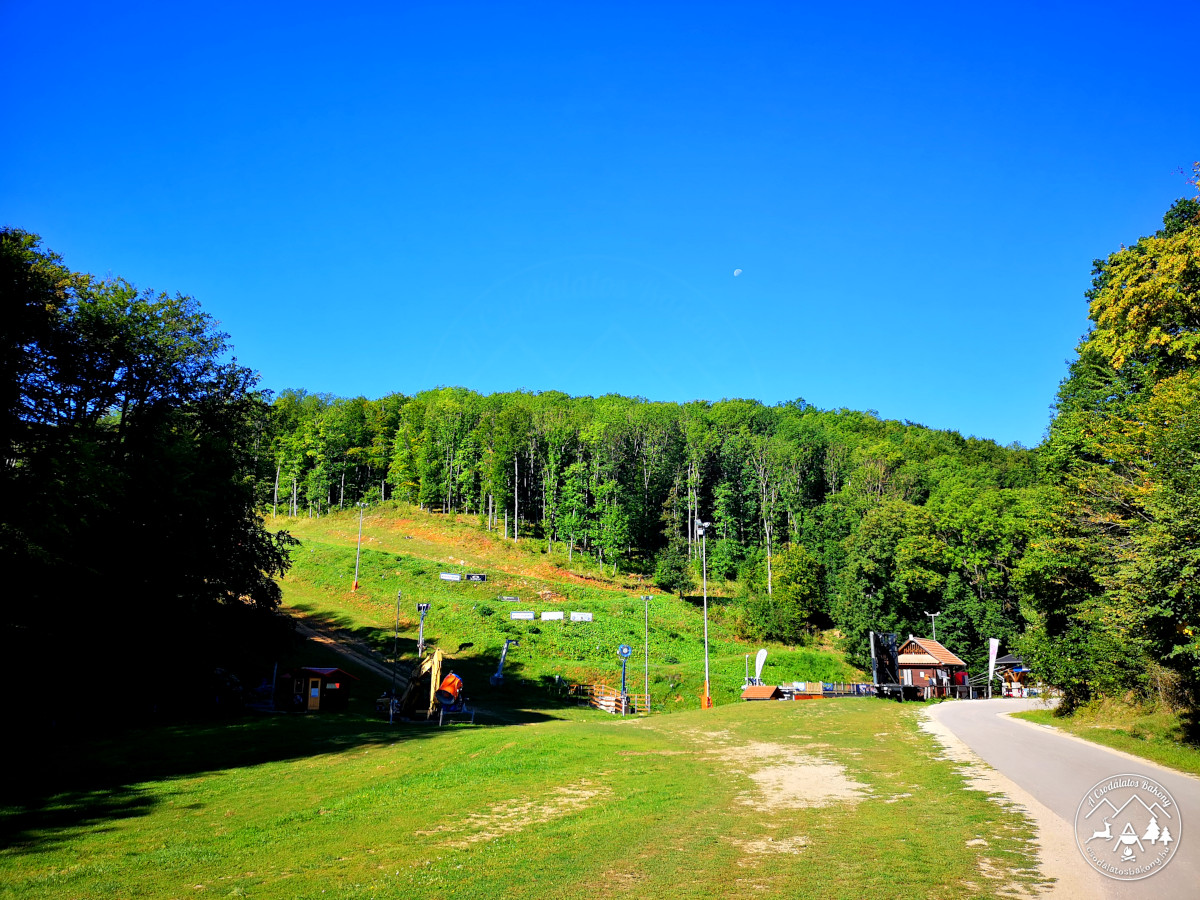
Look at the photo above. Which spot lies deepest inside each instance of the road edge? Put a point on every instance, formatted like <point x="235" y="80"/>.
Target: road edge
<point x="1057" y="856"/>
<point x="1125" y="754"/>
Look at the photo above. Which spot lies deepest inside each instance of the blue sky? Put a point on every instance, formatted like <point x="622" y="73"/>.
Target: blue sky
<point x="390" y="197"/>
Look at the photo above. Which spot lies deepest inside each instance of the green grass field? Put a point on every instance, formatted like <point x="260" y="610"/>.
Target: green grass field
<point x="836" y="798"/>
<point x="539" y="799"/>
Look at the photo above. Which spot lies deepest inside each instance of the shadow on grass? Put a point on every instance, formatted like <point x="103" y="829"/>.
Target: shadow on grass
<point x="697" y="600"/>
<point x="62" y="782"/>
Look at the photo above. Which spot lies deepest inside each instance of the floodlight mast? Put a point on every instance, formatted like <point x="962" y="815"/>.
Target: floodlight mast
<point x="933" y="619"/>
<point x="701" y="532"/>
<point x="358" y="553"/>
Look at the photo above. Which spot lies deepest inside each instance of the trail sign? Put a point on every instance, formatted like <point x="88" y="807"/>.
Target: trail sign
<point x="581" y="617"/>
<point x="549" y="616"/>
<point x="450" y="576"/>
<point x="521" y="615"/>
<point x="510" y="599"/>
<point x="477" y="577"/>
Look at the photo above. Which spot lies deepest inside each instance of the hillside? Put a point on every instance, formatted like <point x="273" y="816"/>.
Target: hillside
<point x="405" y="550"/>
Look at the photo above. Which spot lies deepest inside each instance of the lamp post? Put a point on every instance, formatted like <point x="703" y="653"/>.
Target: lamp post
<point x="933" y="619"/>
<point x="423" y="609"/>
<point x="646" y="598"/>
<point x="701" y="532"/>
<point x="395" y="660"/>
<point x="358" y="554"/>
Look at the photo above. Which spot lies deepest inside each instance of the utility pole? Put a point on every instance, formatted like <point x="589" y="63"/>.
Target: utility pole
<point x="702" y="530"/>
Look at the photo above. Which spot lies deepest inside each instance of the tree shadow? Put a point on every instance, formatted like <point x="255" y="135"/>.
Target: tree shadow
<point x="697" y="600"/>
<point x="75" y="778"/>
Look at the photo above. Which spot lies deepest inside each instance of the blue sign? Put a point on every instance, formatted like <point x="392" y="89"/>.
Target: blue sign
<point x="624" y="650"/>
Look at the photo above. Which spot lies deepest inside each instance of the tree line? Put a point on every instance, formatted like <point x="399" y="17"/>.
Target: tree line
<point x="815" y="517"/>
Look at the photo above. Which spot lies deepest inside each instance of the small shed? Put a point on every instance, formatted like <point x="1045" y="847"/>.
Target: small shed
<point x="925" y="663"/>
<point x="762" y="692"/>
<point x="314" y="688"/>
<point x="1014" y="673"/>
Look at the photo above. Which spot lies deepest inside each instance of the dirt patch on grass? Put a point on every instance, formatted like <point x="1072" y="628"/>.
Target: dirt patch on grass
<point x="766" y="846"/>
<point x="785" y="777"/>
<point x="517" y="815"/>
<point x="803" y="782"/>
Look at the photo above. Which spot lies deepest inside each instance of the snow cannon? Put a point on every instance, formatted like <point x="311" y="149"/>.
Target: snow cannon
<point x="451" y="687"/>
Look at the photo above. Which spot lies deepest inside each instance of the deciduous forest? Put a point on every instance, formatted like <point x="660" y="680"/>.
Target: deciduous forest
<point x="139" y="458"/>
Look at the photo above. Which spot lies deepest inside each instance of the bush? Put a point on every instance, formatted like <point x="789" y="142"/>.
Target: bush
<point x="672" y="572"/>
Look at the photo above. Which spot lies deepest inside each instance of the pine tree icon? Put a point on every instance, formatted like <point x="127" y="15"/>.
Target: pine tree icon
<point x="1166" y="836"/>
<point x="1152" y="833"/>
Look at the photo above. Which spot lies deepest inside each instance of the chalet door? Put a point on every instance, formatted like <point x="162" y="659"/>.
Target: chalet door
<point x="314" y="693"/>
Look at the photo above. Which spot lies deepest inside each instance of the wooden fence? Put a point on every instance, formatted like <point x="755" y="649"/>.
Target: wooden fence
<point x="601" y="696"/>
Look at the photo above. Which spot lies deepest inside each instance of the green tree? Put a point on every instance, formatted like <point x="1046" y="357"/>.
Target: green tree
<point x="135" y="447"/>
<point x="1122" y="452"/>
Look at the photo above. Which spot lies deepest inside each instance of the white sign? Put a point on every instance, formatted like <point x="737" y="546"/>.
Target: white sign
<point x="548" y="616"/>
<point x="450" y="576"/>
<point x="521" y="615"/>
<point x="581" y="617"/>
<point x="510" y="599"/>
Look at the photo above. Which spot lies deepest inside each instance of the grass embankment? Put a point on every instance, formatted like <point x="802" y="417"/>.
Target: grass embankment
<point x="405" y="549"/>
<point x="1152" y="733"/>
<point x="828" y="799"/>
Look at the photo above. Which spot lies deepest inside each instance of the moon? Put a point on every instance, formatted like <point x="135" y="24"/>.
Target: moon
<point x="737" y="272"/>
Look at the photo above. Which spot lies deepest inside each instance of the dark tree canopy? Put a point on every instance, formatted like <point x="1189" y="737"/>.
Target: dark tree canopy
<point x="133" y="448"/>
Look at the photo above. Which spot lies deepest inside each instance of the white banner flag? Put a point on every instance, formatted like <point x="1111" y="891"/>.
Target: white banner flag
<point x="993" y="646"/>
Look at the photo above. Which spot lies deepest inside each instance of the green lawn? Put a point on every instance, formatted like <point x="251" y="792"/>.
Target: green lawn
<point x="829" y="799"/>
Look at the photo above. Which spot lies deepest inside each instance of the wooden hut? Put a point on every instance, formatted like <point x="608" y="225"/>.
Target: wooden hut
<point x="1015" y="675"/>
<point x="925" y="664"/>
<point x="314" y="688"/>
<point x="762" y="692"/>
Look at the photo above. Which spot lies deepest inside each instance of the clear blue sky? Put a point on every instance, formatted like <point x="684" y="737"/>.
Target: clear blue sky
<point x="394" y="196"/>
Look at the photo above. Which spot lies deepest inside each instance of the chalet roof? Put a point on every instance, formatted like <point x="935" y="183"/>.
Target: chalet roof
<point x="761" y="692"/>
<point x="917" y="659"/>
<point x="326" y="670"/>
<point x="931" y="647"/>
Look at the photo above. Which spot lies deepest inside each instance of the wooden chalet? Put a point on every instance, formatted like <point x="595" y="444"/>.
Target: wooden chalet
<point x="925" y="664"/>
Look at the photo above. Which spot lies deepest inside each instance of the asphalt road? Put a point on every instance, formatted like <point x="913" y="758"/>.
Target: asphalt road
<point x="1058" y="770"/>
